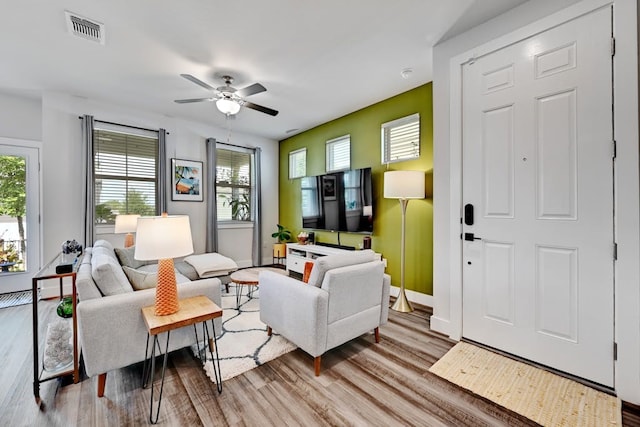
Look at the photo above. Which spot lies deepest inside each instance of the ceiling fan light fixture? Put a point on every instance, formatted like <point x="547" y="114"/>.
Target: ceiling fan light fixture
<point x="228" y="106"/>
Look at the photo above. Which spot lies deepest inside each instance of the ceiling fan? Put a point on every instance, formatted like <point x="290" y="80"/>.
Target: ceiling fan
<point x="229" y="99"/>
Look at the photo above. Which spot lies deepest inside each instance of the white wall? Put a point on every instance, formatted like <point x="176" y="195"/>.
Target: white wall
<point x="62" y="173"/>
<point x="447" y="316"/>
<point x="20" y="117"/>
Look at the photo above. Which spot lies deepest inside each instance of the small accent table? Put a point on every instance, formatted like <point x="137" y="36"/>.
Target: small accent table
<point x="249" y="277"/>
<point x="193" y="310"/>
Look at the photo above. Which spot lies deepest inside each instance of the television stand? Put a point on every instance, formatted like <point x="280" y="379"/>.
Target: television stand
<point x="298" y="255"/>
<point x="337" y="246"/>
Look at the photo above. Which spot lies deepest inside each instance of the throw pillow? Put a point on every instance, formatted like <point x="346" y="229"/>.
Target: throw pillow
<point x="108" y="275"/>
<point x="103" y="251"/>
<point x="308" y="266"/>
<point x="326" y="263"/>
<point x="141" y="279"/>
<point x="126" y="257"/>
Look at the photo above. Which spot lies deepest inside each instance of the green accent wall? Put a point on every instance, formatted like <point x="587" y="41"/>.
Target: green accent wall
<point x="364" y="127"/>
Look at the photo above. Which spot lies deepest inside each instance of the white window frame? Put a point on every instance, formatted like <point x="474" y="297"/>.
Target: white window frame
<point x="233" y="223"/>
<point x="333" y="164"/>
<point x="107" y="228"/>
<point x="405" y="145"/>
<point x="296" y="159"/>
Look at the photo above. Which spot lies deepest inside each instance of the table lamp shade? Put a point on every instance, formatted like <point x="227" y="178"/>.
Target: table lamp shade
<point x="126" y="224"/>
<point x="164" y="238"/>
<point x="404" y="184"/>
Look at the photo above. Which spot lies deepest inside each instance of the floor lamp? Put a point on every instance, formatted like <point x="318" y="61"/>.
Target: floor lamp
<point x="163" y="238"/>
<point x="126" y="224"/>
<point x="403" y="185"/>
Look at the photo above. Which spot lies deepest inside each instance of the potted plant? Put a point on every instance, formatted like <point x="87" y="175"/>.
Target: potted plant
<point x="282" y="235"/>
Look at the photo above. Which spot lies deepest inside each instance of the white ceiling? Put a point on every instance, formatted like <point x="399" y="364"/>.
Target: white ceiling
<point x="319" y="60"/>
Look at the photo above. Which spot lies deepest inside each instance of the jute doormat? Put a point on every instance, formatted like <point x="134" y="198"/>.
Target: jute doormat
<point x="541" y="396"/>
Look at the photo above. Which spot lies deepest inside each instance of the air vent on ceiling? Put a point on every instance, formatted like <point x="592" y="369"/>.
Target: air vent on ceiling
<point x="85" y="28"/>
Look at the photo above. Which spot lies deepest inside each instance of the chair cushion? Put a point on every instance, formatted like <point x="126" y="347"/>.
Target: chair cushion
<point x="326" y="263"/>
<point x="108" y="275"/>
<point x="126" y="257"/>
<point x="103" y="251"/>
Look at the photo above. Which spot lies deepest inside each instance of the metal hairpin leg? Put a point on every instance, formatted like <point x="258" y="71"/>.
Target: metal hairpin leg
<point x="146" y="371"/>
<point x="153" y="368"/>
<point x="213" y="346"/>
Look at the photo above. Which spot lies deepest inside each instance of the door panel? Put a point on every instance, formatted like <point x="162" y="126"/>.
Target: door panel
<point x="538" y="169"/>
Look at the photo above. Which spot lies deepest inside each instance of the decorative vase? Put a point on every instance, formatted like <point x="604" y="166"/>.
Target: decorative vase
<point x="65" y="307"/>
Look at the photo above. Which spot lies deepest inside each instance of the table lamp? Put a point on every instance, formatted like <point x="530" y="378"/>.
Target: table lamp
<point x="403" y="185"/>
<point x="163" y="238"/>
<point x="126" y="224"/>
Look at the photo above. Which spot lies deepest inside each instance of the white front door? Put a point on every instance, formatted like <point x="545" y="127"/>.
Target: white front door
<point x="19" y="216"/>
<point x="538" y="250"/>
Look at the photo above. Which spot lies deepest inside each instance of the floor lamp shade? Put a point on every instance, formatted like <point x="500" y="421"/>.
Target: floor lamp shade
<point x="126" y="224"/>
<point x="163" y="238"/>
<point x="403" y="185"/>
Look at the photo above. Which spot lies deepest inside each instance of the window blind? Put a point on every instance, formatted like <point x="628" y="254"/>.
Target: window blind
<point x="338" y="154"/>
<point x="233" y="185"/>
<point x="298" y="163"/>
<point x="125" y="168"/>
<point x="401" y="139"/>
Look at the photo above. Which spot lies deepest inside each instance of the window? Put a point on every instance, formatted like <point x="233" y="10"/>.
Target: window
<point x="339" y="154"/>
<point x="401" y="139"/>
<point x="234" y="171"/>
<point x="298" y="163"/>
<point x="125" y="164"/>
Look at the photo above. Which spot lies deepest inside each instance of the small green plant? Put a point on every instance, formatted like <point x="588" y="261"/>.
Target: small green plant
<point x="282" y="234"/>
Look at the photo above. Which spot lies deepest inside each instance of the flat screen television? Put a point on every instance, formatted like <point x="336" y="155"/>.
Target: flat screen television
<point x="338" y="201"/>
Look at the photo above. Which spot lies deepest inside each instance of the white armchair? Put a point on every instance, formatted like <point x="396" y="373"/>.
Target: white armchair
<point x="347" y="295"/>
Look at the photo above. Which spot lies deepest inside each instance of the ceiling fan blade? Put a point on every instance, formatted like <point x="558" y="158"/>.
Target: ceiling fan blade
<point x="251" y="90"/>
<point x="186" y="101"/>
<point x="197" y="81"/>
<point x="260" y="108"/>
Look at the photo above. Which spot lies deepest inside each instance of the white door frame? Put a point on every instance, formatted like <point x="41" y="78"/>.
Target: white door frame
<point x="35" y="261"/>
<point x="627" y="203"/>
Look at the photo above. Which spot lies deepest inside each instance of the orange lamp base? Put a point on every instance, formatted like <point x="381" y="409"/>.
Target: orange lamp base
<point x="166" y="290"/>
<point x="128" y="240"/>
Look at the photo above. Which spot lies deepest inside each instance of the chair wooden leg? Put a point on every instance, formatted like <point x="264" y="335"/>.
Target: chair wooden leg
<point x="102" y="379"/>
<point x="269" y="330"/>
<point x="377" y="333"/>
<point x="316" y="365"/>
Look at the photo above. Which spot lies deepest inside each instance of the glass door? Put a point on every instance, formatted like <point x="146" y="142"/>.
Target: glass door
<point x="19" y="217"/>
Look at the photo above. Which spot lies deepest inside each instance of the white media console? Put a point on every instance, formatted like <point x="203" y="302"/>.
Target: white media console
<point x="298" y="255"/>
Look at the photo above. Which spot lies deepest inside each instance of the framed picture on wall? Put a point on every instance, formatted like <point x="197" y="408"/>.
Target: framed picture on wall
<point x="186" y="183"/>
<point x="329" y="187"/>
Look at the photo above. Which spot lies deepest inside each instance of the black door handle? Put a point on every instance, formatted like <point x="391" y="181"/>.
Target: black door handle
<point x="470" y="237"/>
<point x="468" y="214"/>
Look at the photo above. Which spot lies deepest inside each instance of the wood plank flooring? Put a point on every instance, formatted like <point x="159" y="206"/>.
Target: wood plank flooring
<point x="362" y="384"/>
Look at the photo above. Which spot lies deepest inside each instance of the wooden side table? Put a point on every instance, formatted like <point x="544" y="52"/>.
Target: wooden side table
<point x="193" y="310"/>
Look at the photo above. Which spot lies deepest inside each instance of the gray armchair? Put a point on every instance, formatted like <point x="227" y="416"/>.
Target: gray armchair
<point x="347" y="295"/>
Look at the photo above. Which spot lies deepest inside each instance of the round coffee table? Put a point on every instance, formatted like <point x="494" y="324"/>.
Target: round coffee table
<point x="249" y="277"/>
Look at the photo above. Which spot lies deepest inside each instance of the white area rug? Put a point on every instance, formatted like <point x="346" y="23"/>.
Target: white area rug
<point x="244" y="343"/>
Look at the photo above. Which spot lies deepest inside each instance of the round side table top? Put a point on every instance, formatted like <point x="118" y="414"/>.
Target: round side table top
<point x="249" y="276"/>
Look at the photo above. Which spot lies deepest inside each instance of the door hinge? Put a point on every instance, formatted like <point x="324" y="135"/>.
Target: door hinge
<point x="615" y="251"/>
<point x="615" y="149"/>
<point x="615" y="350"/>
<point x="613" y="46"/>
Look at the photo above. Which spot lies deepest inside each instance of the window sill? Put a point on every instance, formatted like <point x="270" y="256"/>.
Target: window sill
<point x="234" y="224"/>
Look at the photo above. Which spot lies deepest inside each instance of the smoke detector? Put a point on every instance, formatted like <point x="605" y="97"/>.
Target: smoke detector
<point x="85" y="28"/>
